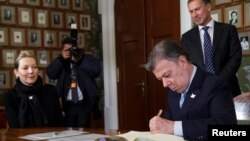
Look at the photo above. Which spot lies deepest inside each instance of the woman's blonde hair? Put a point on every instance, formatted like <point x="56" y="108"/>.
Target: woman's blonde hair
<point x="23" y="54"/>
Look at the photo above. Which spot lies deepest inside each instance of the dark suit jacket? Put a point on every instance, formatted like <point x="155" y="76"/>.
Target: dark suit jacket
<point x="208" y="101"/>
<point x="226" y="52"/>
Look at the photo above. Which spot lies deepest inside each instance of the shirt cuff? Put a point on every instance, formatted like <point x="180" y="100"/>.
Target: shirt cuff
<point x="178" y="128"/>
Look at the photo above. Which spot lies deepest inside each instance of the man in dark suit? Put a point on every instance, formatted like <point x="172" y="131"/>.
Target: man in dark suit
<point x="226" y="48"/>
<point x="196" y="98"/>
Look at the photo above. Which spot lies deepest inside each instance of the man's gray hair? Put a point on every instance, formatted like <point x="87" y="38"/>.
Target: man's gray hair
<point x="165" y="49"/>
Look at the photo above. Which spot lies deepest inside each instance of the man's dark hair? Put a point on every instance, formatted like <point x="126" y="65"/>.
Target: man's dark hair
<point x="67" y="40"/>
<point x="168" y="50"/>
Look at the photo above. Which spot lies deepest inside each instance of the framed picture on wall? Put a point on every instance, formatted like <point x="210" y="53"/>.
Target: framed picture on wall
<point x="50" y="81"/>
<point x="3" y="36"/>
<point x="245" y="42"/>
<point x="4" y="79"/>
<point x="33" y="2"/>
<point x="62" y="36"/>
<point x="63" y="4"/>
<point x="18" y="37"/>
<point x="25" y="17"/>
<point x="41" y="18"/>
<point x="246" y="14"/>
<point x="233" y="15"/>
<point x="8" y="15"/>
<point x="9" y="56"/>
<point x="56" y="19"/>
<point x="85" y="22"/>
<point x="55" y="54"/>
<point x="16" y="1"/>
<point x="49" y="38"/>
<point x="217" y="15"/>
<point x="218" y="2"/>
<point x="43" y="58"/>
<point x="81" y="40"/>
<point x="34" y="38"/>
<point x="77" y="5"/>
<point x="71" y="18"/>
<point x="48" y="3"/>
<point x="244" y="74"/>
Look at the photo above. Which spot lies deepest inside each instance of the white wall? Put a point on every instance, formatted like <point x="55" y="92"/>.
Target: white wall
<point x="186" y="22"/>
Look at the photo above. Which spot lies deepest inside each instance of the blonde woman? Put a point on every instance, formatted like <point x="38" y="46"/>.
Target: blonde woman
<point x="31" y="103"/>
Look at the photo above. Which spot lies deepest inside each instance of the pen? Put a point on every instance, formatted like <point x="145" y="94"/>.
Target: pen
<point x="160" y="112"/>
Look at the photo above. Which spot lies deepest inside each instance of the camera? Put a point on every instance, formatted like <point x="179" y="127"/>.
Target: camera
<point x="74" y="50"/>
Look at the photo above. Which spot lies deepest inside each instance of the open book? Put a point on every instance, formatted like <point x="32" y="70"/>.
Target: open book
<point x="147" y="136"/>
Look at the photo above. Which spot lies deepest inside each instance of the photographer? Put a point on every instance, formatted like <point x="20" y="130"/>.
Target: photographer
<point x="76" y="73"/>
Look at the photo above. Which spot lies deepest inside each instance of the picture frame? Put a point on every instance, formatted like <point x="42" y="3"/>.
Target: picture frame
<point x="9" y="56"/>
<point x="18" y="37"/>
<point x="243" y="74"/>
<point x="85" y="23"/>
<point x="8" y="15"/>
<point x="234" y="15"/>
<point x="16" y="1"/>
<point x="246" y="14"/>
<point x="48" y="3"/>
<point x="43" y="58"/>
<point x="3" y="36"/>
<point x="56" y="19"/>
<point x="55" y="54"/>
<point x="62" y="36"/>
<point x="40" y="73"/>
<point x="50" y="81"/>
<point x="71" y="18"/>
<point x="4" y="79"/>
<point x="81" y="40"/>
<point x="77" y="5"/>
<point x="219" y="2"/>
<point x="25" y="17"/>
<point x="33" y="2"/>
<point x="34" y="38"/>
<point x="41" y="18"/>
<point x="63" y="4"/>
<point x="245" y="42"/>
<point x="50" y="38"/>
<point x="217" y="15"/>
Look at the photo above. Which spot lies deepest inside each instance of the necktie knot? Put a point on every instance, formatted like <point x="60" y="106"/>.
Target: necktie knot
<point x="205" y="28"/>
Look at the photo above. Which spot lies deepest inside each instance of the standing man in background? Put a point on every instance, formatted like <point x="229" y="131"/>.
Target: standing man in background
<point x="213" y="46"/>
<point x="76" y="73"/>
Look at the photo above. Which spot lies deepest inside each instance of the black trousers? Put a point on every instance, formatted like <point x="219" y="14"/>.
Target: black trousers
<point x="77" y="114"/>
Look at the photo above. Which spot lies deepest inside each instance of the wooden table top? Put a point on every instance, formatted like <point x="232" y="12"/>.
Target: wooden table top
<point x="14" y="133"/>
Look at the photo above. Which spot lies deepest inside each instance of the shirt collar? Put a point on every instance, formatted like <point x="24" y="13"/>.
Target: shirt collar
<point x="191" y="78"/>
<point x="210" y="25"/>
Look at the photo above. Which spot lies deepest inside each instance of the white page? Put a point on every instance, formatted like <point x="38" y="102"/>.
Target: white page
<point x="83" y="137"/>
<point x="51" y="135"/>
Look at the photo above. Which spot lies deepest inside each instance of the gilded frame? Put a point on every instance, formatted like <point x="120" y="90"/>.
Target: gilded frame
<point x="4" y="79"/>
<point x="18" y="37"/>
<point x="9" y="56"/>
<point x="4" y="38"/>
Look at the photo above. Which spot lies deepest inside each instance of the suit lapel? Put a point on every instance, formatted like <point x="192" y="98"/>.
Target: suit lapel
<point x="217" y="36"/>
<point x="197" y="45"/>
<point x="194" y="90"/>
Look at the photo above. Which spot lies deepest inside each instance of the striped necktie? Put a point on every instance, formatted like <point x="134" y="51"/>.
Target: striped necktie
<point x="183" y="96"/>
<point x="208" y="52"/>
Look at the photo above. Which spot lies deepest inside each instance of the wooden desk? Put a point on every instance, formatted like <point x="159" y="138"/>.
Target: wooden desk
<point x="13" y="134"/>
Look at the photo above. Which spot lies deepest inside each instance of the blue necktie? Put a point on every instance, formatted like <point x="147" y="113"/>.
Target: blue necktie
<point x="208" y="52"/>
<point x="74" y="91"/>
<point x="183" y="96"/>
